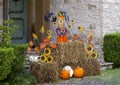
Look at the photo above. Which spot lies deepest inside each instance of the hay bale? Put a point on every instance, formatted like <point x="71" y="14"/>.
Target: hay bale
<point x="70" y="53"/>
<point x="45" y="72"/>
<point x="73" y="54"/>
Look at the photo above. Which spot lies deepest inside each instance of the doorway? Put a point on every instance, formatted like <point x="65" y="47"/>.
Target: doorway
<point x="27" y="14"/>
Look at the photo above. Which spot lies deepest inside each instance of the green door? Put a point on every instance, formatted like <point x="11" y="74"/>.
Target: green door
<point x="18" y="11"/>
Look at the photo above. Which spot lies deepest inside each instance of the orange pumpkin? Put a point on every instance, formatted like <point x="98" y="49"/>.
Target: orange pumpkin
<point x="52" y="45"/>
<point x="46" y="40"/>
<point x="64" y="74"/>
<point x="31" y="43"/>
<point x="75" y="36"/>
<point x="36" y="49"/>
<point x="78" y="72"/>
<point x="28" y="49"/>
<point x="43" y="45"/>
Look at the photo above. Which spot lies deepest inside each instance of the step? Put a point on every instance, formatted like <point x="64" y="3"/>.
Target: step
<point x="106" y="65"/>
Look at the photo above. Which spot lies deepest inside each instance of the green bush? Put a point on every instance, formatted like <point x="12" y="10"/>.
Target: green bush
<point x="18" y="64"/>
<point x="6" y="60"/>
<point x="111" y="48"/>
<point x="7" y="30"/>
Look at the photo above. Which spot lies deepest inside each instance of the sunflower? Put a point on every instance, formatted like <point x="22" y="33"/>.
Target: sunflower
<point x="54" y="24"/>
<point x="80" y="28"/>
<point x="42" y="58"/>
<point x="69" y="26"/>
<point x="89" y="54"/>
<point x="62" y="30"/>
<point x="47" y="51"/>
<point x="49" y="32"/>
<point x="49" y="59"/>
<point x="72" y="20"/>
<point x="94" y="54"/>
<point x="89" y="48"/>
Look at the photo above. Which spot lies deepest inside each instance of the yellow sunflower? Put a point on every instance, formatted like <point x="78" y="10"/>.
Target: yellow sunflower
<point x="88" y="54"/>
<point x="69" y="26"/>
<point x="50" y="59"/>
<point x="42" y="58"/>
<point x="94" y="54"/>
<point x="62" y="30"/>
<point x="89" y="48"/>
<point x="72" y="20"/>
<point x="80" y="28"/>
<point x="47" y="51"/>
<point x="49" y="32"/>
<point x="54" y="24"/>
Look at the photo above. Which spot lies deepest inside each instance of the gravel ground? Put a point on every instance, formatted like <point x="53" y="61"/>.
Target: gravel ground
<point x="86" y="81"/>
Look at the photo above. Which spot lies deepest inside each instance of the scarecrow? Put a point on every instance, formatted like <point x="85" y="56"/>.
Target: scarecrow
<point x="61" y="30"/>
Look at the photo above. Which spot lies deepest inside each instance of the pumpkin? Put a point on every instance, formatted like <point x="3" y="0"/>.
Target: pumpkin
<point x="28" y="49"/>
<point x="52" y="45"/>
<point x="36" y="49"/>
<point x="46" y="40"/>
<point x="68" y="68"/>
<point x="64" y="74"/>
<point x="75" y="36"/>
<point x="34" y="58"/>
<point x="78" y="72"/>
<point x="31" y="43"/>
<point x="43" y="45"/>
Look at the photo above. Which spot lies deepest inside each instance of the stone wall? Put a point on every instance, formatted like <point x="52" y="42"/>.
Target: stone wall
<point x="86" y="13"/>
<point x="1" y="12"/>
<point x="111" y="16"/>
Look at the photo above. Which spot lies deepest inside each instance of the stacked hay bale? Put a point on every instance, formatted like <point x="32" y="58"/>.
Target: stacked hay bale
<point x="45" y="72"/>
<point x="71" y="53"/>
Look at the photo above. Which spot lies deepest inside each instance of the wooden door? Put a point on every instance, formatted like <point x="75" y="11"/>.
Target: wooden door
<point x="18" y="11"/>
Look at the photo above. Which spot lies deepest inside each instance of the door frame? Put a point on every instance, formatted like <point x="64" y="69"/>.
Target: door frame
<point x="41" y="7"/>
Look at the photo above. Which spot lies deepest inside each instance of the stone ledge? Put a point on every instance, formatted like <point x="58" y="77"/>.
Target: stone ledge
<point x="106" y="65"/>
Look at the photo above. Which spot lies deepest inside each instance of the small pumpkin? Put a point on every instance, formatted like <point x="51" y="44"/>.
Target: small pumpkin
<point x="46" y="40"/>
<point x="43" y="45"/>
<point x="28" y="49"/>
<point x="75" y="37"/>
<point x="31" y="43"/>
<point x="36" y="49"/>
<point x="78" y="72"/>
<point x="52" y="45"/>
<point x="68" y="68"/>
<point x="64" y="74"/>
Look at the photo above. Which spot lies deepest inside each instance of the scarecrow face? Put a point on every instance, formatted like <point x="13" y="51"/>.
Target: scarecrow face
<point x="61" y="22"/>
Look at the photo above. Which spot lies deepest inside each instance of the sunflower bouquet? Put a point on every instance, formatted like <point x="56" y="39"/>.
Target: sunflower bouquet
<point x="47" y="53"/>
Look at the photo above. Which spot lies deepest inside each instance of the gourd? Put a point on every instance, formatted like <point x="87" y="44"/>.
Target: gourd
<point x="52" y="45"/>
<point x="43" y="45"/>
<point x="33" y="58"/>
<point x="64" y="74"/>
<point x="46" y="40"/>
<point x="68" y="68"/>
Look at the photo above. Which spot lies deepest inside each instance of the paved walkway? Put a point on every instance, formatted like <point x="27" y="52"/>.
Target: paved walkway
<point x="86" y="81"/>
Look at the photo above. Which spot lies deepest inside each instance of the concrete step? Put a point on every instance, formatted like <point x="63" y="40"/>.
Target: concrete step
<point x="106" y="65"/>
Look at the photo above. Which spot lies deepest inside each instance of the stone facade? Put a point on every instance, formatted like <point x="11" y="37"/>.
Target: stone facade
<point x="111" y="16"/>
<point x="1" y="12"/>
<point x="99" y="16"/>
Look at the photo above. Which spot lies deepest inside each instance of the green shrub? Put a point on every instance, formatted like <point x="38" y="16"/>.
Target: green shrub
<point x="111" y="48"/>
<point x="18" y="64"/>
<point x="6" y="60"/>
<point x="7" y="30"/>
